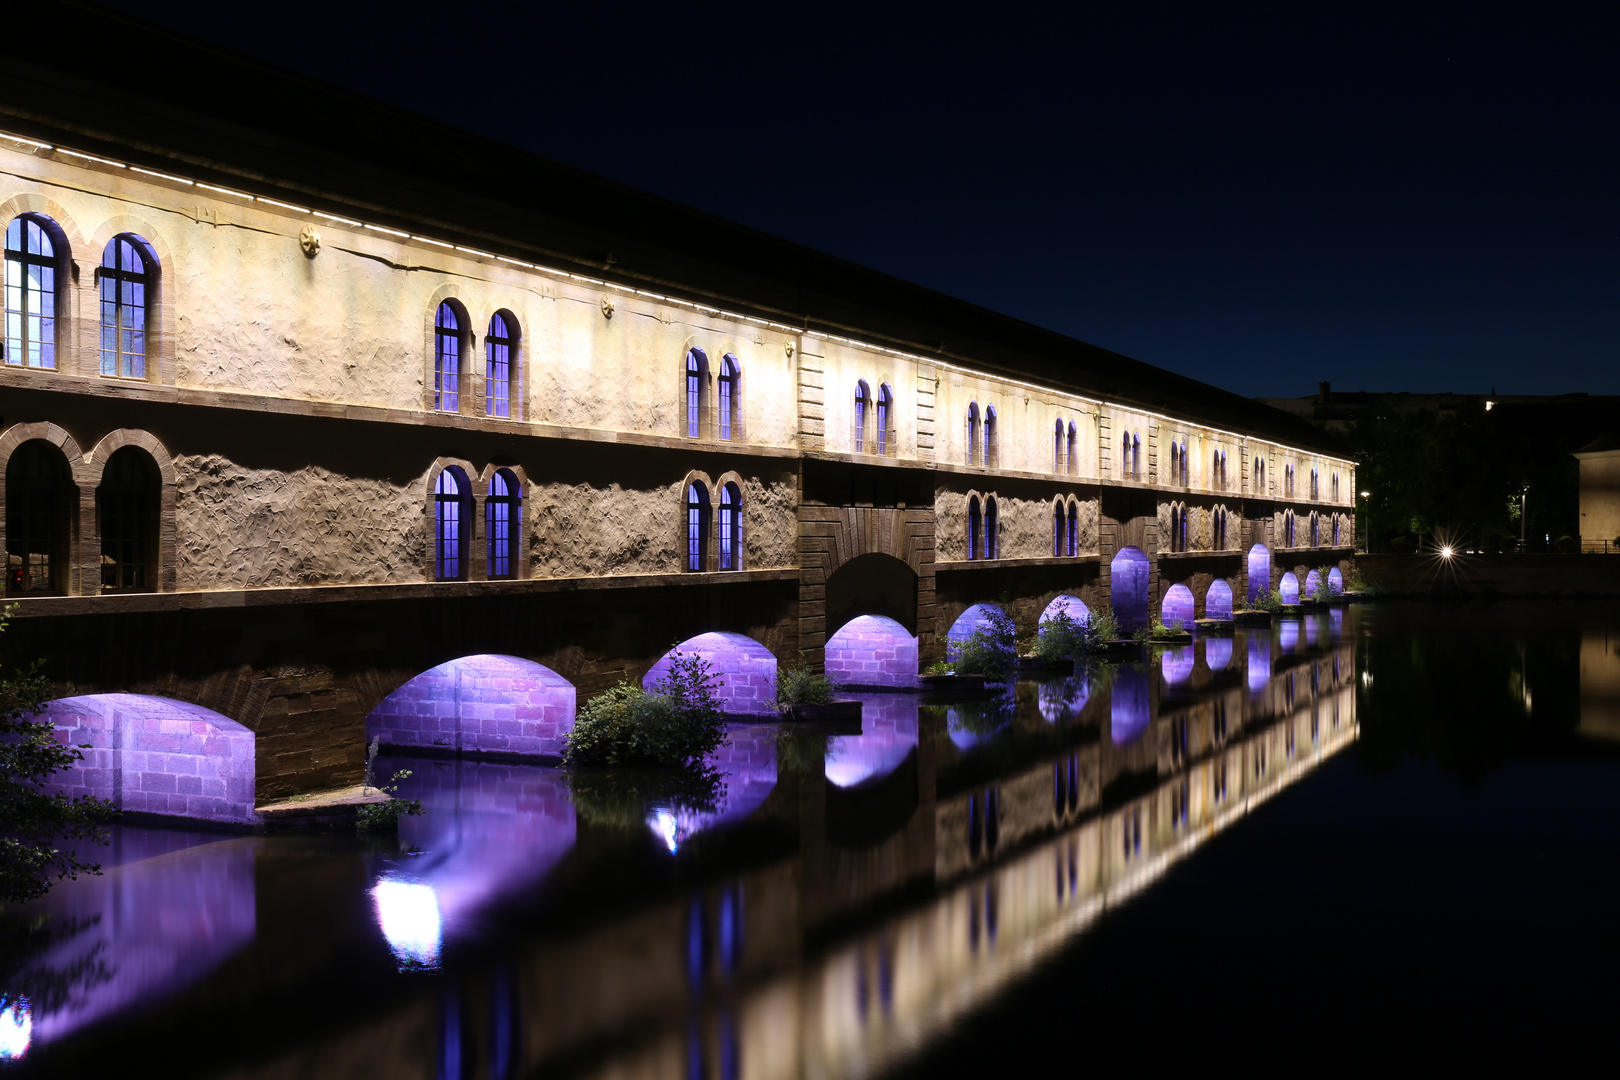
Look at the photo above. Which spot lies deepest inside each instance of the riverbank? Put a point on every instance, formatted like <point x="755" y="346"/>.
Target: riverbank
<point x="1553" y="575"/>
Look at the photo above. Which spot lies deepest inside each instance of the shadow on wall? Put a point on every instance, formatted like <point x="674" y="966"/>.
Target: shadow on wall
<point x="158" y="756"/>
<point x="483" y="705"/>
<point x="745" y="670"/>
<point x="1128" y="584"/>
<point x="872" y="651"/>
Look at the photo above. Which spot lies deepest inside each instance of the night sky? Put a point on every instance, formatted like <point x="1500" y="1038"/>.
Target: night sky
<point x="1260" y="197"/>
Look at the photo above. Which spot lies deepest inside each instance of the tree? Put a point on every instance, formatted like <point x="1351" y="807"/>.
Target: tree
<point x="33" y="823"/>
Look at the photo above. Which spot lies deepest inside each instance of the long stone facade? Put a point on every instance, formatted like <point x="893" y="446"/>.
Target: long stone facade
<point x="275" y="445"/>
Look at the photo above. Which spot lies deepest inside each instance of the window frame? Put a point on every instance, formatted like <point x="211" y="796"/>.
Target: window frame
<point x="507" y="342"/>
<point x="58" y="264"/>
<point x="449" y="343"/>
<point x="448" y="565"/>
<point x="507" y="533"/>
<point x="122" y="281"/>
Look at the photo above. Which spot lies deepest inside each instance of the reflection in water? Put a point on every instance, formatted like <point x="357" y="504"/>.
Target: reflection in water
<point x="1217" y="653"/>
<point x="1131" y="707"/>
<point x="1259" y="662"/>
<point x="16" y="1028"/>
<point x="408" y="913"/>
<point x="1288" y="635"/>
<point x="974" y="723"/>
<point x="1177" y="665"/>
<point x="888" y="735"/>
<point x="1063" y="700"/>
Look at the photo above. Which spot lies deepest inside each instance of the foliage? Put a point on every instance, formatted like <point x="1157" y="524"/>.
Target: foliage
<point x="1060" y="636"/>
<point x="938" y="667"/>
<point x="796" y="684"/>
<point x="31" y="822"/>
<point x="1102" y="625"/>
<point x="991" y="650"/>
<point x="1271" y="601"/>
<point x="623" y="797"/>
<point x="1359" y="582"/>
<point x="1322" y="593"/>
<point x="380" y="817"/>
<point x="678" y="724"/>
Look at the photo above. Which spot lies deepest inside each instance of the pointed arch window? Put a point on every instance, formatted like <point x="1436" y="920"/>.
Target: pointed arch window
<point x="697" y="391"/>
<point x="452" y="503"/>
<point x="128" y="272"/>
<point x="1058" y="523"/>
<point x="992" y="451"/>
<point x="991" y="536"/>
<point x="1175" y="464"/>
<point x="1136" y="456"/>
<point x="1057" y="447"/>
<point x="885" y="420"/>
<point x="1335" y="529"/>
<point x="973" y="434"/>
<point x="446" y="359"/>
<point x="500" y="345"/>
<point x="730" y="397"/>
<point x="1074" y="530"/>
<point x="1315" y="486"/>
<point x="39" y="507"/>
<point x="503" y="520"/>
<point x="127" y="518"/>
<point x="697" y="527"/>
<point x="973" y="523"/>
<point x="863" y="405"/>
<point x="1074" y="461"/>
<point x="35" y="253"/>
<point x="1316" y="529"/>
<point x="730" y="527"/>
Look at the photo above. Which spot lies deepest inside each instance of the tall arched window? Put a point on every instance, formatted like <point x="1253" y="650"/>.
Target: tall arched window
<point x="1057" y="528"/>
<point x="35" y="250"/>
<point x="1136" y="456"/>
<point x="697" y="392"/>
<point x="1218" y="529"/>
<point x="1315" y="486"/>
<point x="1073" y="459"/>
<point x="992" y="535"/>
<point x="1288" y="480"/>
<point x="1316" y="529"/>
<point x="1074" y="530"/>
<point x="452" y="502"/>
<point x="503" y="518"/>
<point x="446" y="359"/>
<point x="1186" y="470"/>
<point x="885" y="420"/>
<point x="730" y="397"/>
<point x="1181" y="540"/>
<point x="1057" y="448"/>
<point x="499" y="370"/>
<point x="1288" y="528"/>
<point x="992" y="451"/>
<point x="697" y="527"/>
<point x="1223" y="470"/>
<point x="39" y="507"/>
<point x="973" y="434"/>
<point x="1175" y="463"/>
<point x="730" y="527"/>
<point x="1335" y="528"/>
<point x="973" y="528"/>
<point x="1334" y="487"/>
<point x="863" y="405"/>
<point x="128" y="272"/>
<point x="127" y="518"/>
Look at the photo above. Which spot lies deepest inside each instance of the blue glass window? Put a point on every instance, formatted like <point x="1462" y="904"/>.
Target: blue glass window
<point x="1074" y="530"/>
<point x="973" y="435"/>
<point x="696" y="364"/>
<point x="450" y="521"/>
<point x="1074" y="462"/>
<point x="991" y="457"/>
<point x="498" y="345"/>
<point x="697" y="527"/>
<point x="126" y="285"/>
<point x="502" y="519"/>
<point x="446" y="360"/>
<point x="30" y="284"/>
<point x="730" y="383"/>
<point x="973" y="528"/>
<point x="885" y="416"/>
<point x="990" y="536"/>
<point x="1057" y="529"/>
<point x="730" y="528"/>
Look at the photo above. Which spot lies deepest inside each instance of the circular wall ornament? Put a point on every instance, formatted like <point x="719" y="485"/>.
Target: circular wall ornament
<point x="309" y="240"/>
<point x="607" y="308"/>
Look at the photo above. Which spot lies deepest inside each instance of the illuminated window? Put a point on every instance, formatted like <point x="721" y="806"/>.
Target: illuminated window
<point x="730" y="397"/>
<point x="498" y="369"/>
<point x="1288" y="528"/>
<point x="992" y="452"/>
<point x="697" y="527"/>
<point x="1315" y="492"/>
<point x="1057" y="448"/>
<point x="1335" y="530"/>
<point x="885" y="420"/>
<point x="1057" y="529"/>
<point x="128" y="271"/>
<point x="1136" y="456"/>
<point x="991" y="539"/>
<point x="1316" y="530"/>
<point x="863" y="403"/>
<point x="697" y="372"/>
<point x="452" y="499"/>
<point x="1074" y="530"/>
<point x="446" y="359"/>
<point x="38" y="519"/>
<point x="127" y="518"/>
<point x="35" y="249"/>
<point x="973" y="433"/>
<point x="502" y="520"/>
<point x="973" y="528"/>
<point x="1074" y="461"/>
<point x="730" y="527"/>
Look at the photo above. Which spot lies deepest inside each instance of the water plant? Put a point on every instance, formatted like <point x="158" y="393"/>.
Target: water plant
<point x="1060" y="636"/>
<point x="991" y="650"/>
<point x="797" y="684"/>
<point x="384" y="816"/>
<point x="677" y="724"/>
<point x="1271" y="601"/>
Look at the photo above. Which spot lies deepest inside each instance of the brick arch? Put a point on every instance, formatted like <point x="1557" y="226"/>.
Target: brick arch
<point x="830" y="536"/>
<point x="96" y="462"/>
<point x="161" y="329"/>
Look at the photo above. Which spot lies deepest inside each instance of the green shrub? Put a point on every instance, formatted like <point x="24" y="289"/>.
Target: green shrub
<point x="381" y="817"/>
<point x="992" y="650"/>
<point x="796" y="684"/>
<point x="938" y="667"/>
<point x="1060" y="636"/>
<point x="679" y="723"/>
<point x="1160" y="632"/>
<point x="1270" y="601"/>
<point x="1358" y="582"/>
<point x="1101" y="626"/>
<point x="1322" y="593"/>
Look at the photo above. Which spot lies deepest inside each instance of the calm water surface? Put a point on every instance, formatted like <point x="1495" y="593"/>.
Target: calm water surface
<point x="1369" y="834"/>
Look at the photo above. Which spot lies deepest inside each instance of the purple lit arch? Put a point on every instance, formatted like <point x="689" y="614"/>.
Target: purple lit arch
<point x="1218" y="600"/>
<point x="483" y="704"/>
<point x="744" y="669"/>
<point x="1259" y="572"/>
<point x="1129" y="573"/>
<point x="1177" y="609"/>
<point x="1289" y="588"/>
<point x="872" y="650"/>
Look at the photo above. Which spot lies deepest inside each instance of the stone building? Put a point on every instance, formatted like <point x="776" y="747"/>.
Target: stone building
<point x="295" y="419"/>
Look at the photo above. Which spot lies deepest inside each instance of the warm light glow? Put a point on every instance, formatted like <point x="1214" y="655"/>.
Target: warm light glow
<point x="408" y="913"/>
<point x="1489" y="405"/>
<point x="1445" y="552"/>
<point x="16" y="1028"/>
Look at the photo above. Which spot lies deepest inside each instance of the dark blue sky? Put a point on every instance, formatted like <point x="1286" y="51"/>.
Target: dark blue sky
<point x="1259" y="196"/>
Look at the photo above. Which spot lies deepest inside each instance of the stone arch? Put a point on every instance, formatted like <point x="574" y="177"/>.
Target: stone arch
<point x="873" y="583"/>
<point x="161" y="328"/>
<point x="872" y="651"/>
<point x="156" y="755"/>
<point x="1335" y="581"/>
<point x="487" y="705"/>
<point x="96" y="460"/>
<point x="1288" y="586"/>
<point x="1258" y="565"/>
<point x="1063" y="603"/>
<point x="81" y="509"/>
<point x="1313" y="582"/>
<point x="1176" y="611"/>
<point x="1218" y="600"/>
<point x="1129" y="574"/>
<point x="746" y="671"/>
<point x="832" y="536"/>
<point x="974" y="618"/>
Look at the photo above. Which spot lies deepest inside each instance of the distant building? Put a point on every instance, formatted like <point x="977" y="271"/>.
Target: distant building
<point x="1600" y="491"/>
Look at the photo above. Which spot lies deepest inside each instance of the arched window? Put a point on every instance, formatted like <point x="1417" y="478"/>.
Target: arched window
<point x="1057" y="528"/>
<point x="885" y="420"/>
<point x="1174" y="527"/>
<point x="1183" y="537"/>
<point x="1288" y="528"/>
<point x="1074" y="530"/>
<point x="503" y="519"/>
<point x="452" y="499"/>
<point x="446" y="359"/>
<point x="127" y="518"/>
<point x="1217" y="529"/>
<point x="1186" y="471"/>
<point x="991" y="539"/>
<point x="973" y="434"/>
<point x="1334" y="487"/>
<point x="1057" y="448"/>
<point x="1136" y="456"/>
<point x="39" y="508"/>
<point x="35" y="251"/>
<point x="697" y="527"/>
<point x="863" y="403"/>
<point x="498" y="367"/>
<point x="1175" y="464"/>
<point x="992" y="452"/>
<point x="730" y="397"/>
<point x="1125" y="457"/>
<point x="973" y="528"/>
<point x="128" y="272"/>
<point x="1074" y="461"/>
<point x="1316" y="529"/>
<point x="730" y="527"/>
<point x="1315" y="487"/>
<point x="697" y="390"/>
<point x="1335" y="527"/>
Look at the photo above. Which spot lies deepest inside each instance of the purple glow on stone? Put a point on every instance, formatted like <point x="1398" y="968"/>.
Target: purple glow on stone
<point x="966" y="623"/>
<point x="479" y="704"/>
<point x="746" y="671"/>
<point x="1288" y="635"/>
<point x="1177" y="610"/>
<point x="1289" y="587"/>
<point x="1311" y="629"/>
<point x="1130" y="707"/>
<point x="871" y="650"/>
<point x="1313" y="582"/>
<point x="1063" y="699"/>
<point x="747" y="765"/>
<point x="1072" y="606"/>
<point x="1259" y="572"/>
<point x="1128" y="584"/>
<point x="1177" y="665"/>
<point x="1335" y="581"/>
<point x="1217" y="653"/>
<point x="1218" y="600"/>
<point x="1259" y="663"/>
<point x="157" y="756"/>
<point x="888" y="734"/>
<point x="1336" y="620"/>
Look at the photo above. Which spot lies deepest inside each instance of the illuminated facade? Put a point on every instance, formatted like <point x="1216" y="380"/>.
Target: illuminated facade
<point x="283" y="431"/>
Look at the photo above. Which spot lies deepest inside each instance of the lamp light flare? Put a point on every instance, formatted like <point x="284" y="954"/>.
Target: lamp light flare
<point x="408" y="913"/>
<point x="1446" y="552"/>
<point x="16" y="1027"/>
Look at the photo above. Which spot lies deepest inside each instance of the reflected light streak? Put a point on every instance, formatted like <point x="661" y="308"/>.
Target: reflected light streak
<point x="408" y="913"/>
<point x="664" y="824"/>
<point x="16" y="1028"/>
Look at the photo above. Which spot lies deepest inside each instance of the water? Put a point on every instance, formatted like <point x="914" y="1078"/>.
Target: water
<point x="1368" y="835"/>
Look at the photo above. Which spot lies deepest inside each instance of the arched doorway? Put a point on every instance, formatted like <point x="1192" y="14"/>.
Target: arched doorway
<point x="1313" y="584"/>
<point x="1177" y="610"/>
<point x="872" y="651"/>
<point x="40" y="505"/>
<point x="1128" y="585"/>
<point x="486" y="704"/>
<point x="1259" y="572"/>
